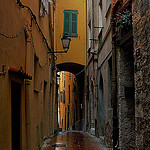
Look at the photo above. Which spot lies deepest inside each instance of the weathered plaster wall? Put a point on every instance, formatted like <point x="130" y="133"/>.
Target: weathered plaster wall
<point x="28" y="51"/>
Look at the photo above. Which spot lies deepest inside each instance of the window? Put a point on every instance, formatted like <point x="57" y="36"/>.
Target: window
<point x="70" y="22"/>
<point x="108" y="2"/>
<point x="69" y="75"/>
<point x="89" y="36"/>
<point x="62" y="96"/>
<point x="69" y="93"/>
<point x="108" y="6"/>
<point x="68" y="108"/>
<point x="100" y="17"/>
<point x="89" y="33"/>
<point x="64" y="79"/>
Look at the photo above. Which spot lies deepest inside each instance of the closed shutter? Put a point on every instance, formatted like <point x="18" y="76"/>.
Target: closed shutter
<point x="70" y="22"/>
<point x="74" y="23"/>
<point x="66" y="22"/>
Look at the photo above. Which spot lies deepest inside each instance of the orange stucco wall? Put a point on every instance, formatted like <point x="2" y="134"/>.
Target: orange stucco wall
<point x="77" y="50"/>
<point x="28" y="50"/>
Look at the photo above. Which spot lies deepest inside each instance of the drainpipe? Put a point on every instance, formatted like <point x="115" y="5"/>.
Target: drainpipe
<point x="93" y="101"/>
<point x="49" y="102"/>
<point x="54" y="95"/>
<point x="27" y="87"/>
<point x="85" y="83"/>
<point x="114" y="88"/>
<point x="95" y="67"/>
<point x="93" y="21"/>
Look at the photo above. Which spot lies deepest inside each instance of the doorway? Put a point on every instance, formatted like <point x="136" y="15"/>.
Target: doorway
<point x="101" y="107"/>
<point x="15" y="114"/>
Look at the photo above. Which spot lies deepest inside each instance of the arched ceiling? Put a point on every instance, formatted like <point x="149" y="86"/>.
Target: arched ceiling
<point x="70" y="67"/>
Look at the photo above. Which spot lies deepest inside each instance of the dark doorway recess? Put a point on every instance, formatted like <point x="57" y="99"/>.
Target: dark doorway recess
<point x="15" y="114"/>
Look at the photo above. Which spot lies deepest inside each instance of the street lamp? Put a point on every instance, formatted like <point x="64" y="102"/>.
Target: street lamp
<point x="65" y="42"/>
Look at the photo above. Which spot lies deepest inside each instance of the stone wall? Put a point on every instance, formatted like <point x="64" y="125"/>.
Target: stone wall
<point x="126" y="111"/>
<point x="141" y="27"/>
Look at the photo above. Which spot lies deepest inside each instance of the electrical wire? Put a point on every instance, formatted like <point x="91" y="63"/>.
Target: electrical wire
<point x="33" y="17"/>
<point x="35" y="51"/>
<point x="74" y="74"/>
<point x="79" y="72"/>
<point x="14" y="35"/>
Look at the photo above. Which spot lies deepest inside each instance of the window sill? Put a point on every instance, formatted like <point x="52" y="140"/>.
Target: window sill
<point x="70" y="35"/>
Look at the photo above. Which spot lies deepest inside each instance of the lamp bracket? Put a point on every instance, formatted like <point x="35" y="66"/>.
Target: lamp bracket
<point x="59" y="51"/>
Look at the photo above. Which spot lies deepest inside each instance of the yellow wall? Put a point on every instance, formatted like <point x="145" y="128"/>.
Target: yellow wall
<point x="64" y="77"/>
<point x="77" y="50"/>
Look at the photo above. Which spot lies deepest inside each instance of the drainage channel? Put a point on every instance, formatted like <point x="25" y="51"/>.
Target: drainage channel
<point x="59" y="145"/>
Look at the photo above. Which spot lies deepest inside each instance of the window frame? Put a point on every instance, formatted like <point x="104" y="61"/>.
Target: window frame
<point x="70" y="33"/>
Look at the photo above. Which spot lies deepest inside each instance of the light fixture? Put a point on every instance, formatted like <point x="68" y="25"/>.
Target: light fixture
<point x="65" y="42"/>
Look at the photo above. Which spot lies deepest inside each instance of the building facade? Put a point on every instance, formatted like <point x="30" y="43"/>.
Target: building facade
<point x="67" y="100"/>
<point x="99" y="70"/>
<point x="124" y="102"/>
<point x="130" y="56"/>
<point x="71" y="21"/>
<point x="27" y="74"/>
<point x="70" y="17"/>
<point x="117" y="72"/>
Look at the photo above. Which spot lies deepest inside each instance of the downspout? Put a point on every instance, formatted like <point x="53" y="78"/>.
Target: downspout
<point x="95" y="69"/>
<point x="85" y="75"/>
<point x="93" y="21"/>
<point x="49" y="102"/>
<point x="55" y="77"/>
<point x="27" y="88"/>
<point x="54" y="104"/>
<point x="93" y="96"/>
<point x="53" y="92"/>
<point x="114" y="87"/>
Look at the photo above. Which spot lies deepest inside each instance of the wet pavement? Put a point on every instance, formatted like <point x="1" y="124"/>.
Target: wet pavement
<point x="71" y="140"/>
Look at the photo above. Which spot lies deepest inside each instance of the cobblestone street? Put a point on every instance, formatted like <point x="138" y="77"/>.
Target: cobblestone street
<point x="72" y="140"/>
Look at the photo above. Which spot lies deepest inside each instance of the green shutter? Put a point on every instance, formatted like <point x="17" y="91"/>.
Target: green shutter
<point x="74" y="23"/>
<point x="66" y="22"/>
<point x="70" y="22"/>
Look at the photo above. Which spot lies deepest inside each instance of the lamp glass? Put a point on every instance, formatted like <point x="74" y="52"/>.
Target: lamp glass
<point x="66" y="42"/>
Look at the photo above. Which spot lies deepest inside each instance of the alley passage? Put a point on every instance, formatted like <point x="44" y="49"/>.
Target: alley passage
<point x="72" y="140"/>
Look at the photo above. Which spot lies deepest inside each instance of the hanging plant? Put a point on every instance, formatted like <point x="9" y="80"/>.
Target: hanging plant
<point x="123" y="20"/>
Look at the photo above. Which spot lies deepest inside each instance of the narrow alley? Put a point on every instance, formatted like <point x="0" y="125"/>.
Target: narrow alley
<point x="72" y="140"/>
<point x="75" y="74"/>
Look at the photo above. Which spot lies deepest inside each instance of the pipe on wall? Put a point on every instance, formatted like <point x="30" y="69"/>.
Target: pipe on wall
<point x="114" y="89"/>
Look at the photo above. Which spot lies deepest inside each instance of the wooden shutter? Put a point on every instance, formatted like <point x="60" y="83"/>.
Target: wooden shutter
<point x="70" y="22"/>
<point x="74" y="23"/>
<point x="66" y="22"/>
